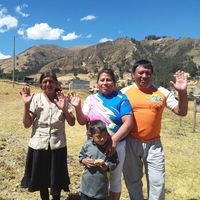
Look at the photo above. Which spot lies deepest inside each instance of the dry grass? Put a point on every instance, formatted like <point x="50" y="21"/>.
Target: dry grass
<point x="181" y="147"/>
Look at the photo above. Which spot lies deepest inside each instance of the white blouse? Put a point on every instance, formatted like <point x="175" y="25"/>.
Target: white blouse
<point x="49" y="124"/>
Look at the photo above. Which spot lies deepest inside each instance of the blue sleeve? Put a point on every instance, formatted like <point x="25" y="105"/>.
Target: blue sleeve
<point x="82" y="153"/>
<point x="125" y="108"/>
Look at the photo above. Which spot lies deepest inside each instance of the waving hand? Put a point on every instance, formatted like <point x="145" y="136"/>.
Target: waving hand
<point x="26" y="95"/>
<point x="180" y="82"/>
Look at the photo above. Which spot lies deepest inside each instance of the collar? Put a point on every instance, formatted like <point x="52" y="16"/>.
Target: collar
<point x="109" y="96"/>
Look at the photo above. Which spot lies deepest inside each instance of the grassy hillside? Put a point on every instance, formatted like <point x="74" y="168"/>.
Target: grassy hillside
<point x="181" y="147"/>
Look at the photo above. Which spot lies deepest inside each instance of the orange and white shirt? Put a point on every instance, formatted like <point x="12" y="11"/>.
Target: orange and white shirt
<point x="147" y="109"/>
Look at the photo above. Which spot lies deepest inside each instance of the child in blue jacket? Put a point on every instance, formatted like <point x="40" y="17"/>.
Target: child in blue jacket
<point x="94" y="182"/>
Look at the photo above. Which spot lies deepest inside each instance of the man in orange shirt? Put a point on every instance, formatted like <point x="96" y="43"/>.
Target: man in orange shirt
<point x="143" y="146"/>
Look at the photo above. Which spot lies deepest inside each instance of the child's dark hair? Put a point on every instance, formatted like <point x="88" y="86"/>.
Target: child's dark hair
<point x="144" y="63"/>
<point x="96" y="126"/>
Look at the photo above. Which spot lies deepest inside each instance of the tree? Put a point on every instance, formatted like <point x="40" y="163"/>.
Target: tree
<point x="152" y="37"/>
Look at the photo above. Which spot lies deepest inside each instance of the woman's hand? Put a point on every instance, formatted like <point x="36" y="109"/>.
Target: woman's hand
<point x="26" y="95"/>
<point x="27" y="98"/>
<point x="74" y="99"/>
<point x="62" y="101"/>
<point x="114" y="146"/>
<point x="110" y="146"/>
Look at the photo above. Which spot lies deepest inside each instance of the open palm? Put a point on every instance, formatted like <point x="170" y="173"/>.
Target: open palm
<point x="180" y="82"/>
<point x="61" y="102"/>
<point x="26" y="95"/>
<point x="74" y="99"/>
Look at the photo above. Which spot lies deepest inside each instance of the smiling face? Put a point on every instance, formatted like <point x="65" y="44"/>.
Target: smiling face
<point x="105" y="84"/>
<point x="142" y="77"/>
<point x="48" y="85"/>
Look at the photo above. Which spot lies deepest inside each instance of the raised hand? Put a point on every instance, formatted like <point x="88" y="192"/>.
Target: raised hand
<point x="61" y="100"/>
<point x="26" y="95"/>
<point x="74" y="99"/>
<point x="180" y="82"/>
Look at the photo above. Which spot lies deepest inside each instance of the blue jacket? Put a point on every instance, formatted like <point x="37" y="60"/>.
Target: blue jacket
<point x="94" y="182"/>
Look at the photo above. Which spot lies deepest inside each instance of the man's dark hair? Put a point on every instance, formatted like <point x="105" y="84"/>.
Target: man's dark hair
<point x="96" y="125"/>
<point x="144" y="63"/>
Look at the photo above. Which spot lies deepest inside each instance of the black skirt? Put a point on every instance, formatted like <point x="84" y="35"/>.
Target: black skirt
<point x="46" y="169"/>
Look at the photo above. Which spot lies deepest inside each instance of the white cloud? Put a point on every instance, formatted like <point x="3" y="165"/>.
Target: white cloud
<point x="21" y="31"/>
<point x="87" y="18"/>
<point x="18" y="9"/>
<point x="2" y="56"/>
<point x="104" y="40"/>
<point x="89" y="36"/>
<point x="70" y="36"/>
<point x="6" y="21"/>
<point x="43" y="31"/>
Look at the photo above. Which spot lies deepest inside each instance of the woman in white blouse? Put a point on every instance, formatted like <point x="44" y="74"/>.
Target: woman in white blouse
<point x="46" y="112"/>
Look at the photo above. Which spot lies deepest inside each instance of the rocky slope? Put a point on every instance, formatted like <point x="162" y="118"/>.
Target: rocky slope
<point x="118" y="54"/>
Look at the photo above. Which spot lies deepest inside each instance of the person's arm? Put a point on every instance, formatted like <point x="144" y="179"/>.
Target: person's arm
<point x="27" y="98"/>
<point x="27" y="117"/>
<point x="69" y="117"/>
<point x="182" y="107"/>
<point x="81" y="118"/>
<point x="124" y="129"/>
<point x="181" y="87"/>
<point x="83" y="157"/>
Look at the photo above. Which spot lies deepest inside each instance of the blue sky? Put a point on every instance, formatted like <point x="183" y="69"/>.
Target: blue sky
<point x="79" y="22"/>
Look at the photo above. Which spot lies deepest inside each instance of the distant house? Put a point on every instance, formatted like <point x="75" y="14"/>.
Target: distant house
<point x="29" y="80"/>
<point x="79" y="84"/>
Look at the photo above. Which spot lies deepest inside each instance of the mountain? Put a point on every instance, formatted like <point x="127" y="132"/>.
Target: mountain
<point x="167" y="55"/>
<point x="34" y="58"/>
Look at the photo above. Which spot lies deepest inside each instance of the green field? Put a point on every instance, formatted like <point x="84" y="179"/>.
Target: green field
<point x="181" y="145"/>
